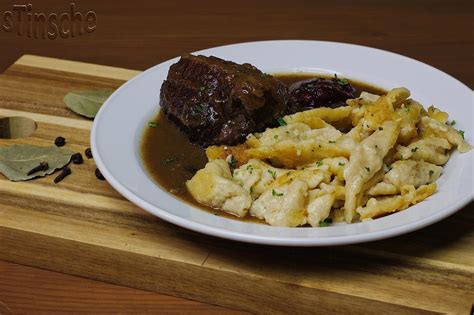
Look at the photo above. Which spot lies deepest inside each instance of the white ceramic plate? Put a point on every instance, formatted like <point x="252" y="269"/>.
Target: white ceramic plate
<point x="120" y="123"/>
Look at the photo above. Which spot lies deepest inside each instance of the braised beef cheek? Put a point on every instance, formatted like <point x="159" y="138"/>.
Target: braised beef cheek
<point x="220" y="102"/>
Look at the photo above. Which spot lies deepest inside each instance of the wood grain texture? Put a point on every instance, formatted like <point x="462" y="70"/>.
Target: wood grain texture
<point x="95" y="233"/>
<point x="26" y="290"/>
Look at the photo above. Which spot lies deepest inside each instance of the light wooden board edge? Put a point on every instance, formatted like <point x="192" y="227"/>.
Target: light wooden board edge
<point x="77" y="67"/>
<point x="63" y="121"/>
<point x="159" y="275"/>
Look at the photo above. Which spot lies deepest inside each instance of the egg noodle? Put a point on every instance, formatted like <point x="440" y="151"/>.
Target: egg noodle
<point x="375" y="156"/>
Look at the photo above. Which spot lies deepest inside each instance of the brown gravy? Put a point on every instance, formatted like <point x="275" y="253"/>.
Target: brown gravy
<point x="171" y="159"/>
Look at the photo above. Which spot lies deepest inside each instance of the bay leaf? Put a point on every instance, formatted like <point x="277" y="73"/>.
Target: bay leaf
<point x="86" y="103"/>
<point x="18" y="159"/>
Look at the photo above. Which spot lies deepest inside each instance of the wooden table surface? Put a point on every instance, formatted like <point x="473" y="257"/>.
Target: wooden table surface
<point x="139" y="34"/>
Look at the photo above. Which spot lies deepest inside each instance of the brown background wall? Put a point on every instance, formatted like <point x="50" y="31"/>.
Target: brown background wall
<point x="139" y="34"/>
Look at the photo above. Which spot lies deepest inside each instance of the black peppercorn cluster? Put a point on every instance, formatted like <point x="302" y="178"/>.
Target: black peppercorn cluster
<point x="66" y="171"/>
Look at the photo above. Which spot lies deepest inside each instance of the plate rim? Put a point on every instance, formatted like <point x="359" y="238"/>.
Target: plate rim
<point x="260" y="239"/>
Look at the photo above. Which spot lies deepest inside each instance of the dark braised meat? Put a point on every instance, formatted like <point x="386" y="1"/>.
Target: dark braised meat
<point x="220" y="102"/>
<point x="320" y="92"/>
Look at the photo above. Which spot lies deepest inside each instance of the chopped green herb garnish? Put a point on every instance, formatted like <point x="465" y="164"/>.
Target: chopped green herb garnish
<point x="414" y="149"/>
<point x="199" y="110"/>
<point x="431" y="173"/>
<point x="341" y="81"/>
<point x="152" y="124"/>
<point x="232" y="162"/>
<point x="273" y="173"/>
<point x="319" y="163"/>
<point x="341" y="164"/>
<point x="453" y="123"/>
<point x="275" y="193"/>
<point x="169" y="160"/>
<point x="461" y="132"/>
<point x="249" y="168"/>
<point x="406" y="109"/>
<point x="367" y="168"/>
<point x="281" y="121"/>
<point x="332" y="141"/>
<point x="380" y="128"/>
<point x="325" y="223"/>
<point x="275" y="137"/>
<point x="376" y="146"/>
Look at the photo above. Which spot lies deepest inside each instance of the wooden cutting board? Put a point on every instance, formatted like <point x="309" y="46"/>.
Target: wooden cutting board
<point x="83" y="227"/>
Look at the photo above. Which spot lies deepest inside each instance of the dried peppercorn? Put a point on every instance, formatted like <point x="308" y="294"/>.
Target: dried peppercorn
<point x="99" y="175"/>
<point x="77" y="158"/>
<point x="43" y="166"/>
<point x="60" y="141"/>
<point x="64" y="172"/>
<point x="88" y="153"/>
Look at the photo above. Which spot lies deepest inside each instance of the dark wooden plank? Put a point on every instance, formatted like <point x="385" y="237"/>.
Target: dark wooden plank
<point x="26" y="290"/>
